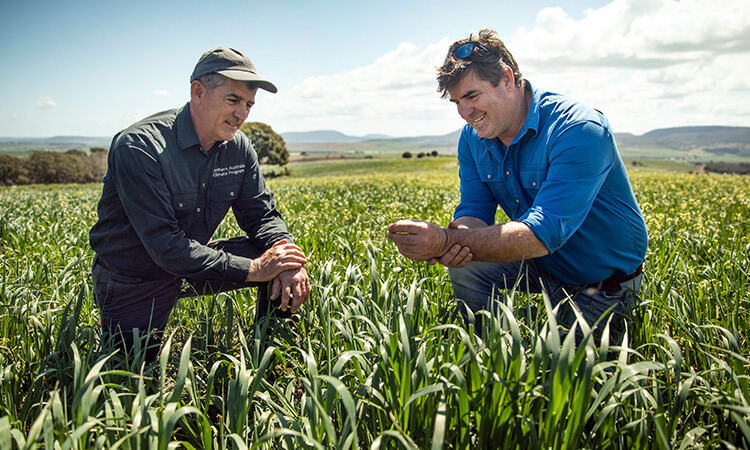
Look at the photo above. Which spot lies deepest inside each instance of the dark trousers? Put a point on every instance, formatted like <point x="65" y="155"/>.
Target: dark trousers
<point x="130" y="305"/>
<point x="478" y="283"/>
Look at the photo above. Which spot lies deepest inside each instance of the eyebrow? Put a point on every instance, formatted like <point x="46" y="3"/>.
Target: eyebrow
<point x="238" y="98"/>
<point x="468" y="94"/>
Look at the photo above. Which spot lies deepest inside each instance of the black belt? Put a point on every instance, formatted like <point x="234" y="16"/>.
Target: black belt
<point x="149" y="277"/>
<point x="612" y="284"/>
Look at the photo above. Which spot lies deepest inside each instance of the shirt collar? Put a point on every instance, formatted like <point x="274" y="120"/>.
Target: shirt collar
<point x="531" y="124"/>
<point x="186" y="135"/>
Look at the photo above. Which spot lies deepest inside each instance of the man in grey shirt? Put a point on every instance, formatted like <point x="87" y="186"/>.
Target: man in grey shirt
<point x="171" y="179"/>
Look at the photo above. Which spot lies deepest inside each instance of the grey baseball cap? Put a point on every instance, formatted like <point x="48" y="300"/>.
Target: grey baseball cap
<point x="232" y="64"/>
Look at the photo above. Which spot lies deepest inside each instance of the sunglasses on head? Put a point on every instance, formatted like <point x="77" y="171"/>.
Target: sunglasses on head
<point x="464" y="50"/>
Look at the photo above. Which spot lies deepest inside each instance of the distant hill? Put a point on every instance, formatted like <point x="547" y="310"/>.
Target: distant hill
<point x="443" y="139"/>
<point x="708" y="141"/>
<point x="15" y="145"/>
<point x="335" y="137"/>
<point x="708" y="138"/>
<point x="321" y="137"/>
<point x="328" y="137"/>
<point x="57" y="140"/>
<point x="712" y="139"/>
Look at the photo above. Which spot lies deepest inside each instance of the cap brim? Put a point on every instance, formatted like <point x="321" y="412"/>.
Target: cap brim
<point x="242" y="75"/>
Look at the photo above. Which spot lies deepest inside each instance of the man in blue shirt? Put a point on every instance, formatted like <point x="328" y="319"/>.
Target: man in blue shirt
<point x="552" y="165"/>
<point x="171" y="179"/>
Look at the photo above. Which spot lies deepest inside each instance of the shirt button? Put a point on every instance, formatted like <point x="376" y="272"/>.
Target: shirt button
<point x="533" y="183"/>
<point x="198" y="209"/>
<point x="507" y="172"/>
<point x="231" y="194"/>
<point x="518" y="201"/>
<point x="489" y="176"/>
<point x="204" y="184"/>
<point x="180" y="205"/>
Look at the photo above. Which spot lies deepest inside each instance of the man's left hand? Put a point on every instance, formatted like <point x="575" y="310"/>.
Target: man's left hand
<point x="456" y="256"/>
<point x="292" y="284"/>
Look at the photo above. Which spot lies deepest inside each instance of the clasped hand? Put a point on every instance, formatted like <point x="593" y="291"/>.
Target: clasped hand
<point x="284" y="263"/>
<point x="424" y="241"/>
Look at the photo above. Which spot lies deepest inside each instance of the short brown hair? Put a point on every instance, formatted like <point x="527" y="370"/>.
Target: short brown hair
<point x="487" y="65"/>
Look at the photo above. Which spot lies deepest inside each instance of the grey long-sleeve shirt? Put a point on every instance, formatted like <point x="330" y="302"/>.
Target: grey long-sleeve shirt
<point x="164" y="196"/>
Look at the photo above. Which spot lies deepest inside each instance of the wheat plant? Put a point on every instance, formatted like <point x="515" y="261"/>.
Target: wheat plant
<point x="380" y="357"/>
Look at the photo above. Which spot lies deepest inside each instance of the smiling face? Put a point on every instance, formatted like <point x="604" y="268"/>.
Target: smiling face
<point x="218" y="113"/>
<point x="493" y="111"/>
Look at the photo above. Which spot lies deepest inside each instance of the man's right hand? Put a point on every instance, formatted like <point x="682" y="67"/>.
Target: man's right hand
<point x="282" y="256"/>
<point x="423" y="241"/>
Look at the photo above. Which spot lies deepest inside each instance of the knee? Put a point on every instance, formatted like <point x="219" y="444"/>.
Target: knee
<point x="478" y="275"/>
<point x="469" y="285"/>
<point x="463" y="276"/>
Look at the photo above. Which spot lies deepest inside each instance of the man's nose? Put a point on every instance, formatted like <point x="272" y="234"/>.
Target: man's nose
<point x="465" y="111"/>
<point x="242" y="112"/>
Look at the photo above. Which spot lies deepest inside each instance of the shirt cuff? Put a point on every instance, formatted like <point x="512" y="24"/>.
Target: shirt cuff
<point x="237" y="268"/>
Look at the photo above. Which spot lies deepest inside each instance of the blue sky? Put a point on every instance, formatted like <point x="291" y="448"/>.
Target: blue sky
<point x="92" y="68"/>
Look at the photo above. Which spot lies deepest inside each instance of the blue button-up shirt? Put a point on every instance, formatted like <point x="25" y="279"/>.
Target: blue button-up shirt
<point x="563" y="177"/>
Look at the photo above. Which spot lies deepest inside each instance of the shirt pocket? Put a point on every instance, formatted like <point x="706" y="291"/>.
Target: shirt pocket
<point x="490" y="173"/>
<point x="532" y="179"/>
<point x="221" y="196"/>
<point x="184" y="206"/>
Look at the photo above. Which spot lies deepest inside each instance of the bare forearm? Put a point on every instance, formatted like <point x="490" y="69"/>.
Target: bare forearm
<point x="468" y="222"/>
<point x="510" y="241"/>
<point x="465" y="239"/>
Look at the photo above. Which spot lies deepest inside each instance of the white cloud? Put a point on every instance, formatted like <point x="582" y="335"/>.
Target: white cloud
<point x="395" y="95"/>
<point x="637" y="33"/>
<point x="161" y="93"/>
<point x="45" y="103"/>
<point x="645" y="63"/>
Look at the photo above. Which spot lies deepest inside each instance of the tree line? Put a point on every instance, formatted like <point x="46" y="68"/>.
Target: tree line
<point x="77" y="166"/>
<point x="725" y="167"/>
<point x="45" y="167"/>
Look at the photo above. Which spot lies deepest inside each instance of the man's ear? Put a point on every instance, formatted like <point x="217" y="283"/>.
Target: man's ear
<point x="197" y="91"/>
<point x="508" y="78"/>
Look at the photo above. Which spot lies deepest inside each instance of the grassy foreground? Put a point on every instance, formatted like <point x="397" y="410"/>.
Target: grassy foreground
<point x="378" y="357"/>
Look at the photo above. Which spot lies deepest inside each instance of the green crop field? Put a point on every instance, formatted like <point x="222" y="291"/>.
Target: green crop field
<point x="379" y="357"/>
